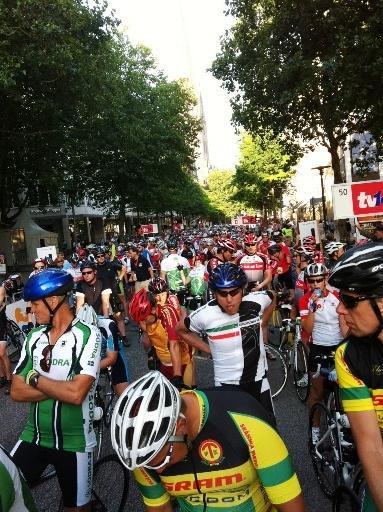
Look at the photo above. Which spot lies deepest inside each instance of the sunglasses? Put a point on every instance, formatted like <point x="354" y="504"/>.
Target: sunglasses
<point x="316" y="281"/>
<point x="250" y="245"/>
<point x="46" y="361"/>
<point x="351" y="302"/>
<point x="100" y="255"/>
<point x="87" y="273"/>
<point x="39" y="268"/>
<point x="166" y="459"/>
<point x="232" y="293"/>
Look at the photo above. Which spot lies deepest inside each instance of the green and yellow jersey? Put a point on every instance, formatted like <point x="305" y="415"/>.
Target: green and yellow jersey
<point x="238" y="462"/>
<point x="359" y="367"/>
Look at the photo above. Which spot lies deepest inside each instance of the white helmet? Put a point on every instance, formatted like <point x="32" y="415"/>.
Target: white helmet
<point x="87" y="315"/>
<point x="316" y="269"/>
<point x="332" y="247"/>
<point x="144" y="419"/>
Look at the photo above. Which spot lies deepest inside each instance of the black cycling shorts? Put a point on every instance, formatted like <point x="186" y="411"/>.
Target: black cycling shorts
<point x="286" y="280"/>
<point x="316" y="353"/>
<point x="74" y="470"/>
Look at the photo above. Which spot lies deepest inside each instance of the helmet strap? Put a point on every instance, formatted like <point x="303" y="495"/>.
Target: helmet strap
<point x="379" y="316"/>
<point x="52" y="312"/>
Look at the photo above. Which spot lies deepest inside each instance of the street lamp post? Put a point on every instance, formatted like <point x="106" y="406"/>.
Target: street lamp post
<point x="324" y="209"/>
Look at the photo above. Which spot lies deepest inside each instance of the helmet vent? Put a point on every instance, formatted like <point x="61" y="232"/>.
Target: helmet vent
<point x="168" y="398"/>
<point x="163" y="428"/>
<point x="146" y="433"/>
<point x="134" y="410"/>
<point x="154" y="401"/>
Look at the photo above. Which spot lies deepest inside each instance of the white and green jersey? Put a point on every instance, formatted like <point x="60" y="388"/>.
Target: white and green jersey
<point x="173" y="275"/>
<point x="15" y="495"/>
<point x="55" y="424"/>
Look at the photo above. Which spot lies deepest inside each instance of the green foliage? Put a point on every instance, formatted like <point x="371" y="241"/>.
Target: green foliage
<point x="307" y="70"/>
<point x="263" y="172"/>
<point x="85" y="112"/>
<point x="220" y="191"/>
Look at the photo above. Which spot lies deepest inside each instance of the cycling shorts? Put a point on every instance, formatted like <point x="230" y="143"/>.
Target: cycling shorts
<point x="74" y="470"/>
<point x="286" y="280"/>
<point x="120" y="370"/>
<point x="318" y="351"/>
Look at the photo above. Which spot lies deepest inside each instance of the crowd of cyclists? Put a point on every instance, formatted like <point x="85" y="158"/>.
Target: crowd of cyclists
<point x="210" y="292"/>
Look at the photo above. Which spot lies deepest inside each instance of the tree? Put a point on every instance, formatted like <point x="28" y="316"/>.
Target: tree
<point x="220" y="191"/>
<point x="306" y="70"/>
<point x="263" y="172"/>
<point x="51" y="58"/>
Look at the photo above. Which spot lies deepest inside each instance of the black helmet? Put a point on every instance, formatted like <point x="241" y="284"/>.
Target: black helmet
<point x="88" y="264"/>
<point x="172" y="244"/>
<point x="360" y="270"/>
<point x="227" y="275"/>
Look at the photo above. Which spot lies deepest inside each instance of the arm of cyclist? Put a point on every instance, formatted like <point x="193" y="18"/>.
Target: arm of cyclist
<point x="105" y="301"/>
<point x="267" y="278"/>
<point x="68" y="391"/>
<point x="369" y="443"/>
<point x="22" y="392"/>
<point x="191" y="338"/>
<point x="109" y="360"/>
<point x="175" y="354"/>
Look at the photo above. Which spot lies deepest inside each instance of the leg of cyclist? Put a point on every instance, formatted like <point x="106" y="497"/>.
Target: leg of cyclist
<point x="4" y="360"/>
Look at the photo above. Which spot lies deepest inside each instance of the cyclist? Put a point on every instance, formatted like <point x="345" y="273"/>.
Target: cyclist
<point x="359" y="361"/>
<point x="265" y="243"/>
<point x="39" y="264"/>
<point x="74" y="269"/>
<point x="255" y="265"/>
<point x="15" y="495"/>
<point x="175" y="270"/>
<point x="95" y="292"/>
<point x="210" y="450"/>
<point x="158" y="323"/>
<point x="320" y="320"/>
<point x="56" y="373"/>
<point x="141" y="269"/>
<point x="334" y="250"/>
<point x="232" y="323"/>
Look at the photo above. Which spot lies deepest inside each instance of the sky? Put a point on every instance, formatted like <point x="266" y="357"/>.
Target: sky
<point x="184" y="38"/>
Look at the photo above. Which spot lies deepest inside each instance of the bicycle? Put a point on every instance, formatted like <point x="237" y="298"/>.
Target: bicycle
<point x="105" y="497"/>
<point x="104" y="403"/>
<point x="334" y="455"/>
<point x="15" y="340"/>
<point x="276" y="370"/>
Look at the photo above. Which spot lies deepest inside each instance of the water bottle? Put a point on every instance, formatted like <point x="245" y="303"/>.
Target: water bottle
<point x="317" y="292"/>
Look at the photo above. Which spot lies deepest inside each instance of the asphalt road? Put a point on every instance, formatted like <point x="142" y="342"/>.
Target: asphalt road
<point x="291" y="417"/>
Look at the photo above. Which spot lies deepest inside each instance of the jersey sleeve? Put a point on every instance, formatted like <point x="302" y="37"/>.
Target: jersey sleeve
<point x="195" y="321"/>
<point x="270" y="457"/>
<point x="354" y="393"/>
<point x="169" y="318"/>
<point x="304" y="306"/>
<point x="25" y="363"/>
<point x="152" y="491"/>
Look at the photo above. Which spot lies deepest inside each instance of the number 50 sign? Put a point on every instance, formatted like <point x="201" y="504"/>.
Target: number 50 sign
<point x="363" y="198"/>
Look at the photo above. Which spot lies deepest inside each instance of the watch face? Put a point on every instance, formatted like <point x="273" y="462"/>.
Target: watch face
<point x="34" y="380"/>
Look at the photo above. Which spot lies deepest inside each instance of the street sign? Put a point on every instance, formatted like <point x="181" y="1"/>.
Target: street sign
<point x="364" y="198"/>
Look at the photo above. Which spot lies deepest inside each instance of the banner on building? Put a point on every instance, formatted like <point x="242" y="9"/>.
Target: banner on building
<point x="148" y="229"/>
<point x="361" y="199"/>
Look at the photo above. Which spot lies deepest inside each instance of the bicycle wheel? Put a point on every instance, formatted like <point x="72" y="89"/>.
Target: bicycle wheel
<point x="345" y="500"/>
<point x="276" y="372"/>
<point x="107" y="396"/>
<point x="324" y="452"/>
<point x="107" y="497"/>
<point x="15" y="341"/>
<point x="301" y="373"/>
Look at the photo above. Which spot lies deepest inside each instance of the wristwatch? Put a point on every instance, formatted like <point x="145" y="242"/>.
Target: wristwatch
<point x="34" y="380"/>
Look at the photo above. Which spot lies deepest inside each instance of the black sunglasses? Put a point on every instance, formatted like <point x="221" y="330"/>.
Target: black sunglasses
<point x="316" y="281"/>
<point x="39" y="268"/>
<point x="232" y="293"/>
<point x="46" y="361"/>
<point x="351" y="302"/>
<point x="87" y="273"/>
<point x="250" y="245"/>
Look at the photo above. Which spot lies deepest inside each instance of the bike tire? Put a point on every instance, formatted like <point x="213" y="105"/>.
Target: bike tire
<point x="300" y="372"/>
<point x="324" y="454"/>
<point x="345" y="500"/>
<point x="110" y="485"/>
<point x="276" y="372"/>
<point x="15" y="341"/>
